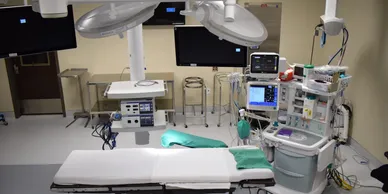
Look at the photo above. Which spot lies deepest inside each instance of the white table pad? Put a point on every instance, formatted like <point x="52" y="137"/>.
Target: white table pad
<point x="149" y="165"/>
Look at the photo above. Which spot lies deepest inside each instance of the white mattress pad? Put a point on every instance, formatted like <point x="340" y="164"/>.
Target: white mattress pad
<point x="150" y="165"/>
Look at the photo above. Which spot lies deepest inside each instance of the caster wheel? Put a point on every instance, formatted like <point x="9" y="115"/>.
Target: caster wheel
<point x="74" y="117"/>
<point x="201" y="112"/>
<point x="92" y="127"/>
<point x="218" y="125"/>
<point x="212" y="112"/>
<point x="174" y="124"/>
<point x="6" y="123"/>
<point x="206" y="125"/>
<point x="230" y="124"/>
<point x="185" y="126"/>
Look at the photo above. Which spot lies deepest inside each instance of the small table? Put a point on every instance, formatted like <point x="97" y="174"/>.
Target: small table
<point x="108" y="106"/>
<point x="76" y="73"/>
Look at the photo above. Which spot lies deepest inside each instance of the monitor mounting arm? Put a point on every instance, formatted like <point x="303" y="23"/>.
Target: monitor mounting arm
<point x="332" y="25"/>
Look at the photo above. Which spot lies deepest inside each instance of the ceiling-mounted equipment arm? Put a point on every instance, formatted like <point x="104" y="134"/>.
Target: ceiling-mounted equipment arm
<point x="58" y="8"/>
<point x="331" y="24"/>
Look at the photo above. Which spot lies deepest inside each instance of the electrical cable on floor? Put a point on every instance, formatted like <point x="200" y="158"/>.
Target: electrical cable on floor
<point x="99" y="131"/>
<point x="347" y="182"/>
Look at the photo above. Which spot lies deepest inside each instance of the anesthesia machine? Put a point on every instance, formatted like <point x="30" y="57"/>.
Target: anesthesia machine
<point x="302" y="146"/>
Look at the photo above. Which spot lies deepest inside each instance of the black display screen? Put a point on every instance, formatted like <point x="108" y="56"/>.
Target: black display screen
<point x="196" y="46"/>
<point x="264" y="64"/>
<point x="26" y="32"/>
<point x="168" y="13"/>
<point x="298" y="71"/>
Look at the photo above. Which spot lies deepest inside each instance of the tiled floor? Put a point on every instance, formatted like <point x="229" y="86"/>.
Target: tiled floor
<point x="33" y="147"/>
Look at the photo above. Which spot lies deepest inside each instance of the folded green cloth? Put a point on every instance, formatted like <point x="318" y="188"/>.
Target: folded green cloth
<point x="250" y="159"/>
<point x="172" y="137"/>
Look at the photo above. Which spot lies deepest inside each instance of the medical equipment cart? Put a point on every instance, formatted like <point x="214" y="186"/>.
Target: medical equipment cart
<point x="304" y="147"/>
<point x="103" y="106"/>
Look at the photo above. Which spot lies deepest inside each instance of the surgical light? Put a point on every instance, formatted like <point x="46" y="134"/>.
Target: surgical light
<point x="225" y="19"/>
<point x="243" y="29"/>
<point x="114" y="18"/>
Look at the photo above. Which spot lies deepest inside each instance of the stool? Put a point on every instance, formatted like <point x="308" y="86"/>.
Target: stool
<point x="194" y="83"/>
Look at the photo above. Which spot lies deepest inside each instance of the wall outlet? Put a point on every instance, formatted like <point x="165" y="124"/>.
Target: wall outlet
<point x="207" y="91"/>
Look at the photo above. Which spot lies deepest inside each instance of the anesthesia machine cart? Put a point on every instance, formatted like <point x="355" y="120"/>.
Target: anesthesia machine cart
<point x="301" y="146"/>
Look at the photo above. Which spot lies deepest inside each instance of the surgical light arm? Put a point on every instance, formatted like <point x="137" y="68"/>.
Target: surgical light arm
<point x="58" y="8"/>
<point x="331" y="24"/>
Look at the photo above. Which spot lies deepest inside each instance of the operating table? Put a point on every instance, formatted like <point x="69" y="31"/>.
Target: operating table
<point x="151" y="170"/>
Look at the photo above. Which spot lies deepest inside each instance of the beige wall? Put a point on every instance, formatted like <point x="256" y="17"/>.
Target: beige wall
<point x="364" y="20"/>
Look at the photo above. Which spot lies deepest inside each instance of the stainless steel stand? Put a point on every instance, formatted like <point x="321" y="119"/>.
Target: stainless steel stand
<point x="77" y="73"/>
<point x="195" y="83"/>
<point x="220" y="78"/>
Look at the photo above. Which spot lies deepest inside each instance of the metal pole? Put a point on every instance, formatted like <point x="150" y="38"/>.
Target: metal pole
<point x="136" y="53"/>
<point x="81" y="94"/>
<point x="230" y="101"/>
<point x="214" y="94"/>
<point x="184" y="104"/>
<point x="220" y="105"/>
<point x="173" y="101"/>
<point x="206" y="125"/>
<point x="203" y="91"/>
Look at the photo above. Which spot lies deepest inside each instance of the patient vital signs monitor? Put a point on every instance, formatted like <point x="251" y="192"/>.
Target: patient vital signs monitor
<point x="264" y="65"/>
<point x="263" y="96"/>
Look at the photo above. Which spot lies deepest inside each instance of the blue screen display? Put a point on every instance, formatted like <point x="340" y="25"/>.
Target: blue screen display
<point x="238" y="50"/>
<point x="23" y="21"/>
<point x="170" y="9"/>
<point x="263" y="96"/>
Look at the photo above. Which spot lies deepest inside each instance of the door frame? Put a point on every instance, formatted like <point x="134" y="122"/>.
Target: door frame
<point x="17" y="104"/>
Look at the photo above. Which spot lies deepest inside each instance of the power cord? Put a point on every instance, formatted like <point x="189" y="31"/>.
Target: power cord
<point x="121" y="75"/>
<point x="347" y="182"/>
<point x="342" y="50"/>
<point x="316" y="33"/>
<point x="105" y="133"/>
<point x="146" y="83"/>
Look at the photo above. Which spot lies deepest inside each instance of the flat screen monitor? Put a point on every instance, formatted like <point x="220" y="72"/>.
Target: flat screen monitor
<point x="196" y="46"/>
<point x="263" y="96"/>
<point x="264" y="65"/>
<point x="168" y="13"/>
<point x="24" y="31"/>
